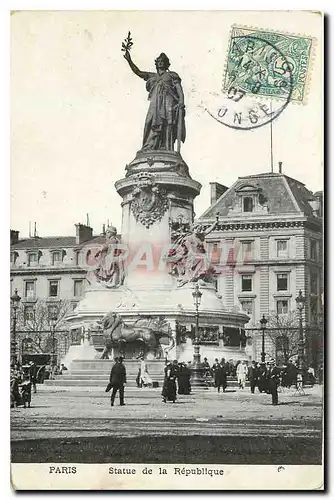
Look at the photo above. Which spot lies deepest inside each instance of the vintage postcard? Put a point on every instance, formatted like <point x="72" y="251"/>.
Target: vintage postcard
<point x="166" y="253"/>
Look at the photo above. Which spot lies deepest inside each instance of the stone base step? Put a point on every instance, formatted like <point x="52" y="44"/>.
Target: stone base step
<point x="84" y="383"/>
<point x="95" y="373"/>
<point x="106" y="364"/>
<point x="84" y="376"/>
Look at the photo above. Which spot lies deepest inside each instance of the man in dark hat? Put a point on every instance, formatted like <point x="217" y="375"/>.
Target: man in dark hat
<point x="272" y="376"/>
<point x="253" y="375"/>
<point x="117" y="381"/>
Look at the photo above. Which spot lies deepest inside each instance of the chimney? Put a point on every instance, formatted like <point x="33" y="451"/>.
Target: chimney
<point x="103" y="230"/>
<point x="216" y="190"/>
<point x="280" y="163"/>
<point x="14" y="237"/>
<point x="82" y="233"/>
<point x="317" y="204"/>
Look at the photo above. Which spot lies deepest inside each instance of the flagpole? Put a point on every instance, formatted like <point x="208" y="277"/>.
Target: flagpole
<point x="271" y="141"/>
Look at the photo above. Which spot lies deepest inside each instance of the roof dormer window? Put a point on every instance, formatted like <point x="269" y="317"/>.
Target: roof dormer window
<point x="13" y="258"/>
<point x="56" y="257"/>
<point x="32" y="259"/>
<point x="249" y="199"/>
<point x="248" y="204"/>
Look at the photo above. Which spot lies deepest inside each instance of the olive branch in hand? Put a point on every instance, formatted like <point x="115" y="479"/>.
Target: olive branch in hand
<point x="127" y="44"/>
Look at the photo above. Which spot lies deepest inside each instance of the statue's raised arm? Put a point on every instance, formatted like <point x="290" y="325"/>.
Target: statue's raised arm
<point x="135" y="69"/>
<point x="164" y="124"/>
<point x="211" y="227"/>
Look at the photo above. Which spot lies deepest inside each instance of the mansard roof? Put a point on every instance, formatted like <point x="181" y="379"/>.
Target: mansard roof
<point x="54" y="242"/>
<point x="282" y="195"/>
<point x="48" y="242"/>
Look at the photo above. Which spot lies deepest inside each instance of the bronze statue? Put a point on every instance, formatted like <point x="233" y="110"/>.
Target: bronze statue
<point x="165" y="117"/>
<point x="151" y="332"/>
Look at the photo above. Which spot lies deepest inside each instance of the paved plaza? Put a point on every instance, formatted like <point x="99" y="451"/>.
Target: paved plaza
<point x="79" y="425"/>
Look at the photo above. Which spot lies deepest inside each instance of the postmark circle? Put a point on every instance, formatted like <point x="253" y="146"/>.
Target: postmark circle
<point x="258" y="84"/>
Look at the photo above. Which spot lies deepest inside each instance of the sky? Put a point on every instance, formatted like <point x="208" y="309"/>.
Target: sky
<point x="77" y="111"/>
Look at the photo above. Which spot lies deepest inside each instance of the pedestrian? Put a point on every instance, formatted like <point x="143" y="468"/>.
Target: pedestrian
<point x="216" y="372"/>
<point x="207" y="368"/>
<point x="117" y="381"/>
<point x="47" y="372"/>
<point x="187" y="376"/>
<point x="253" y="375"/>
<point x="144" y="377"/>
<point x="15" y="380"/>
<point x="183" y="379"/>
<point x="262" y="379"/>
<point x="232" y="368"/>
<point x="25" y="390"/>
<point x="241" y="374"/>
<point x="138" y="378"/>
<point x="169" y="387"/>
<point x="189" y="368"/>
<point x="33" y="375"/>
<point x="311" y="375"/>
<point x="290" y="375"/>
<point x="222" y="377"/>
<point x="272" y="376"/>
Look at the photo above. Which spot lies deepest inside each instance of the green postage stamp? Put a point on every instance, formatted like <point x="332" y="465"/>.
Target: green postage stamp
<point x="267" y="63"/>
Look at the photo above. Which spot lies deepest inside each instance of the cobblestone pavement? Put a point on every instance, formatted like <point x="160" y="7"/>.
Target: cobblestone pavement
<point x="80" y="426"/>
<point x="56" y="413"/>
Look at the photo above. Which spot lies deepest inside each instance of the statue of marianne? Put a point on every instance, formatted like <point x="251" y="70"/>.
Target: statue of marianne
<point x="164" y="122"/>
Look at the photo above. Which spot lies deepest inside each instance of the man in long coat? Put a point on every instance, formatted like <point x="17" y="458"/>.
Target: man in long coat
<point x="272" y="376"/>
<point x="253" y="375"/>
<point x="216" y="373"/>
<point x="117" y="381"/>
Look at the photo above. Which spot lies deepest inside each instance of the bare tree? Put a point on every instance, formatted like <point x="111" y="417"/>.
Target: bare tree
<point x="36" y="321"/>
<point x="283" y="331"/>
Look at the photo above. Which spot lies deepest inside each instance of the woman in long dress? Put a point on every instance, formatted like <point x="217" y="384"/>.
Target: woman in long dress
<point x="144" y="378"/>
<point x="169" y="387"/>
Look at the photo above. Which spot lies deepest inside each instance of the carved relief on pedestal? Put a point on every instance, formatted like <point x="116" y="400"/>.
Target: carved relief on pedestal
<point x="187" y="258"/>
<point x="179" y="225"/>
<point x="148" y="202"/>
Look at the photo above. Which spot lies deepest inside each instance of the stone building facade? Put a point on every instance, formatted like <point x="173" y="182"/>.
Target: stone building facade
<point x="268" y="247"/>
<point x="49" y="273"/>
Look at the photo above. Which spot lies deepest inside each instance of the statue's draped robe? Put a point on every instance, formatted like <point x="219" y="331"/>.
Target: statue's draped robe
<point x="162" y="111"/>
<point x="110" y="269"/>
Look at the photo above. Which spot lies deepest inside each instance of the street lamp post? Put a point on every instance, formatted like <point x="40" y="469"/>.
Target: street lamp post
<point x="15" y="301"/>
<point x="300" y="301"/>
<point x="197" y="378"/>
<point x="263" y="322"/>
<point x="53" y="316"/>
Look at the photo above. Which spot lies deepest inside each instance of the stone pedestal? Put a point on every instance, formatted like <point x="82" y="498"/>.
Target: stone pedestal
<point x="157" y="206"/>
